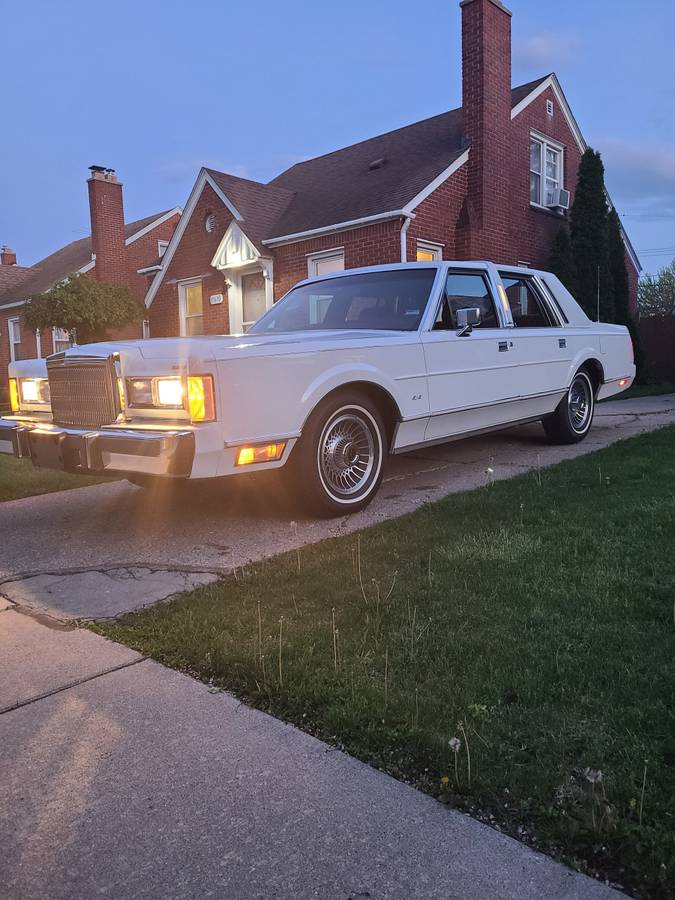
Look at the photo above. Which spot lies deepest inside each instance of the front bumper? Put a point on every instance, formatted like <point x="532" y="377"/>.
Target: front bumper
<point x="114" y="450"/>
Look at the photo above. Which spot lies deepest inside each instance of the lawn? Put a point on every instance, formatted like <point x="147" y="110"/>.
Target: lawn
<point x="509" y="650"/>
<point x="19" y="478"/>
<point x="645" y="390"/>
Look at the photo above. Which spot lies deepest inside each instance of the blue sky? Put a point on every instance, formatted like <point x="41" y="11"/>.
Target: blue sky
<point x="156" y="89"/>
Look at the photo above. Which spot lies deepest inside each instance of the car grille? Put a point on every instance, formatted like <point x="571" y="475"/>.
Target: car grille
<point x="83" y="391"/>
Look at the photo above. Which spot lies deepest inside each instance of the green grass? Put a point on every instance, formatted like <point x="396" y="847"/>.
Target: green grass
<point x="532" y="619"/>
<point x="19" y="478"/>
<point x="645" y="390"/>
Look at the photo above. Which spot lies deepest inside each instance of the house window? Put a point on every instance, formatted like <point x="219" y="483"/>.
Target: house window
<point x="546" y="171"/>
<point x="428" y="251"/>
<point x="14" y="331"/>
<point x="326" y="262"/>
<point x="161" y="248"/>
<point x="191" y="308"/>
<point x="60" y="339"/>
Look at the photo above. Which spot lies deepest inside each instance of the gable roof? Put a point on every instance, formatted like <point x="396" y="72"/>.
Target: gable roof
<point x="12" y="276"/>
<point x="260" y="205"/>
<point x="74" y="257"/>
<point x="378" y="175"/>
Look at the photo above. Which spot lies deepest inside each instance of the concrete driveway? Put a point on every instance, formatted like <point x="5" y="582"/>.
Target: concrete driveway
<point x="101" y="550"/>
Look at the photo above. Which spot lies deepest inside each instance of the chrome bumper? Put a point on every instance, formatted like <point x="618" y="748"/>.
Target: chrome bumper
<point x="118" y="450"/>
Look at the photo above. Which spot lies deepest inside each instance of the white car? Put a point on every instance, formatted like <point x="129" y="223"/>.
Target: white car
<point x="340" y="372"/>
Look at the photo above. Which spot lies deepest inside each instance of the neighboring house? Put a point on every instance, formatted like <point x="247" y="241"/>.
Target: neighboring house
<point x="114" y="251"/>
<point x="488" y="180"/>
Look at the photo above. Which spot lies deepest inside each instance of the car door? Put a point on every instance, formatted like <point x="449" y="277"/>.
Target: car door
<point x="539" y="341"/>
<point x="471" y="372"/>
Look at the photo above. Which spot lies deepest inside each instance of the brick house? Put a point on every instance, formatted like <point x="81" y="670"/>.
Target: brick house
<point x="114" y="252"/>
<point x="487" y="180"/>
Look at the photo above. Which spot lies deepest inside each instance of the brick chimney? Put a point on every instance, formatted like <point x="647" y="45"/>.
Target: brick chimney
<point x="7" y="257"/>
<point x="486" y="104"/>
<point x="107" y="224"/>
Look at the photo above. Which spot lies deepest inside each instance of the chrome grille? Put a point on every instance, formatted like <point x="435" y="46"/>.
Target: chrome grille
<point x="83" y="391"/>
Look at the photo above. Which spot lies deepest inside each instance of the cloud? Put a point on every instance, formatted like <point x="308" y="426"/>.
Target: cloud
<point x="179" y="169"/>
<point x="547" y="50"/>
<point x="642" y="177"/>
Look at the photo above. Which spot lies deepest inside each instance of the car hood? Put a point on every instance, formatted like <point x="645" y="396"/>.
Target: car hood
<point x="214" y="347"/>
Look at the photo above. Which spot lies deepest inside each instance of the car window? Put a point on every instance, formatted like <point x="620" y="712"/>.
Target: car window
<point x="392" y="300"/>
<point x="527" y="307"/>
<point x="466" y="290"/>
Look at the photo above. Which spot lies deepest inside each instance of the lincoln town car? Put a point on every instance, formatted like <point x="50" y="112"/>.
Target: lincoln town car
<point x="342" y="371"/>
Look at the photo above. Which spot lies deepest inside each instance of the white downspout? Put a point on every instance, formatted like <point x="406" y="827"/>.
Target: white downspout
<point x="404" y="237"/>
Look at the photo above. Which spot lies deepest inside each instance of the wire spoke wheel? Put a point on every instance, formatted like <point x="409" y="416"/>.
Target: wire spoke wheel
<point x="347" y="454"/>
<point x="580" y="403"/>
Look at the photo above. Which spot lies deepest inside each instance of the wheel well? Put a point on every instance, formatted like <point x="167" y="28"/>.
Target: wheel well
<point x="385" y="403"/>
<point x="595" y="371"/>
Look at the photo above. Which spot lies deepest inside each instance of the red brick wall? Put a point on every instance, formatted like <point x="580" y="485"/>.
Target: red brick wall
<point x="192" y="259"/>
<point x="368" y="246"/>
<point x="436" y="217"/>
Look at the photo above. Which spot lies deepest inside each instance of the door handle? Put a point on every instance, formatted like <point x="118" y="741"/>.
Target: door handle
<point x="503" y="346"/>
<point x="562" y="343"/>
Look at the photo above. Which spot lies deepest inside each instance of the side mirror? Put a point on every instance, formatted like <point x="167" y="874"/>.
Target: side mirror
<point x="467" y="318"/>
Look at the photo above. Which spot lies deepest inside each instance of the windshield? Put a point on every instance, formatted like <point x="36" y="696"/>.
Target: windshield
<point x="393" y="301"/>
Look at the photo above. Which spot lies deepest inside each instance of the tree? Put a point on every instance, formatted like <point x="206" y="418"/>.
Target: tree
<point x="621" y="288"/>
<point x="561" y="261"/>
<point x="590" y="238"/>
<point x="85" y="308"/>
<point x="656" y="293"/>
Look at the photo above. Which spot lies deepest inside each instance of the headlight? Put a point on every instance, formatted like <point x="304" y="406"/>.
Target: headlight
<point x="170" y="392"/>
<point x="196" y="394"/>
<point x="34" y="390"/>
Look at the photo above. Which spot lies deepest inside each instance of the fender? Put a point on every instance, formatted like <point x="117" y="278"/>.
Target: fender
<point x="342" y="375"/>
<point x="586" y="354"/>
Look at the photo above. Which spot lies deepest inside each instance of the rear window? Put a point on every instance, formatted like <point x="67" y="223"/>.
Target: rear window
<point x="380" y="301"/>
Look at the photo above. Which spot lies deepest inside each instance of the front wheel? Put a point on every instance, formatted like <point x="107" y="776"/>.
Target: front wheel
<point x="571" y="421"/>
<point x="337" y="463"/>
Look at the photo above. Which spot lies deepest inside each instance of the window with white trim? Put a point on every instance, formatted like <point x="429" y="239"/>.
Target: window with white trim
<point x="326" y="262"/>
<point x="191" y="305"/>
<point x="60" y="339"/>
<point x="161" y="248"/>
<point x="427" y="251"/>
<point x="14" y="333"/>
<point x="546" y="171"/>
<point x="146" y="329"/>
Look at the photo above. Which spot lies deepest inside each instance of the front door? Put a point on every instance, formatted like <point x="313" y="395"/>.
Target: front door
<point x="472" y="377"/>
<point x="253" y="298"/>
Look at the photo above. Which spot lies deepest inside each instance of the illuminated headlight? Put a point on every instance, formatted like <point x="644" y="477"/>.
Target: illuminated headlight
<point x="34" y="390"/>
<point x="196" y="394"/>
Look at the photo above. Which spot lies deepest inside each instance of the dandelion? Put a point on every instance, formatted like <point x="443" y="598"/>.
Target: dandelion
<point x="455" y="745"/>
<point x="593" y="776"/>
<point x="445" y="781"/>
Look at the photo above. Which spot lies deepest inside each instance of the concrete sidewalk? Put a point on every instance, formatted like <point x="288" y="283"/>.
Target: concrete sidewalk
<point x="130" y="780"/>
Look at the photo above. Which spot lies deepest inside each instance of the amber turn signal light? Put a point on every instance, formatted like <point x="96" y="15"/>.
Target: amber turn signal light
<point x="261" y="454"/>
<point x="13" y="395"/>
<point x="201" y="398"/>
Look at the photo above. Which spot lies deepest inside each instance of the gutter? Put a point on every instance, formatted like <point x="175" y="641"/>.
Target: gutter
<point x="404" y="237"/>
<point x="339" y="226"/>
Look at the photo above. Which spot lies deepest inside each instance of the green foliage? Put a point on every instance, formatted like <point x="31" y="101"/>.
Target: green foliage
<point x="621" y="287"/>
<point x="561" y="261"/>
<point x="656" y="293"/>
<point x="84" y="307"/>
<point x="590" y="239"/>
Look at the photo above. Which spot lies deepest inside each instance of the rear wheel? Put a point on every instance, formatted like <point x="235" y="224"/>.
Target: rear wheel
<point x="337" y="463"/>
<point x="571" y="421"/>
